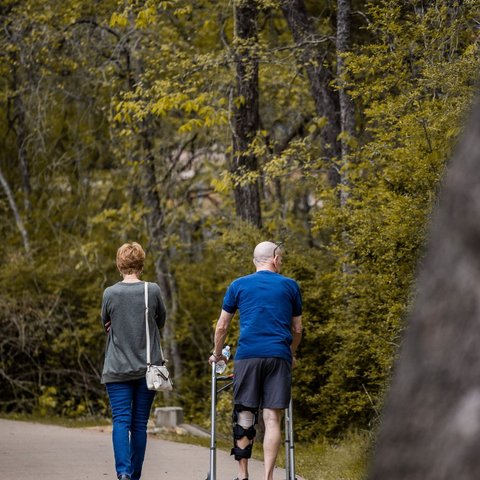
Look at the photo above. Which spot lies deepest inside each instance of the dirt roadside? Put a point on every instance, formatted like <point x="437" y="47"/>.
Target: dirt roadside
<point x="33" y="451"/>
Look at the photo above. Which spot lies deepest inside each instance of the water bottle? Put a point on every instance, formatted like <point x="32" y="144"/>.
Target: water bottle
<point x="222" y="365"/>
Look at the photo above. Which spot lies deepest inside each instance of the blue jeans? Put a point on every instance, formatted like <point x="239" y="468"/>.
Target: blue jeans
<point x="130" y="403"/>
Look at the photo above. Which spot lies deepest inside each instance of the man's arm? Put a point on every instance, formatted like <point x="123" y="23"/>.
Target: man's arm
<point x="220" y="336"/>
<point x="296" y="333"/>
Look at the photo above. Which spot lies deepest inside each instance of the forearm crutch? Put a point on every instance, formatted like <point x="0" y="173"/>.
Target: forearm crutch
<point x="289" y="443"/>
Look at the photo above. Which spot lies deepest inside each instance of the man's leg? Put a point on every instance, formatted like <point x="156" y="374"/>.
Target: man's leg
<point x="276" y="397"/>
<point x="272" y="439"/>
<point x="244" y="420"/>
<point x="243" y="462"/>
<point x="246" y="391"/>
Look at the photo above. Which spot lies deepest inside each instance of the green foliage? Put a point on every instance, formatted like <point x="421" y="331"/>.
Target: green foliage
<point x="101" y="95"/>
<point x="412" y="115"/>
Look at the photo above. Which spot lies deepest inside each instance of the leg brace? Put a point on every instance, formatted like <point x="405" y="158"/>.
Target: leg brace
<point x="244" y="420"/>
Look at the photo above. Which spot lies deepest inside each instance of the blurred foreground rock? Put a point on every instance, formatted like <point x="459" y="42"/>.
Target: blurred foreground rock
<point x="430" y="428"/>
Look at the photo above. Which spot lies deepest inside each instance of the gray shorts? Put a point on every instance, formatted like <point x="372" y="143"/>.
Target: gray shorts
<point x="262" y="383"/>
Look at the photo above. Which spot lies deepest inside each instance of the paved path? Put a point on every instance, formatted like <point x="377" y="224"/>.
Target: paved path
<point x="33" y="451"/>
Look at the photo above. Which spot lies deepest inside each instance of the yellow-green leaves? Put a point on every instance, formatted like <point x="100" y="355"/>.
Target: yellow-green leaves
<point x="189" y="112"/>
<point x="118" y="20"/>
<point x="146" y="17"/>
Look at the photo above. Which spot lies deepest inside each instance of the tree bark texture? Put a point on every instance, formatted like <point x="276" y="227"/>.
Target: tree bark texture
<point x="246" y="118"/>
<point x="347" y="112"/>
<point x="312" y="58"/>
<point x="431" y="421"/>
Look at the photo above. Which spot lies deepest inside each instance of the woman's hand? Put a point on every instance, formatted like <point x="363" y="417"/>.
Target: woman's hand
<point x="107" y="326"/>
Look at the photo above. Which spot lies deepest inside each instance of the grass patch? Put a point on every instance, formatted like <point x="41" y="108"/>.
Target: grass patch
<point x="342" y="460"/>
<point x="80" y="422"/>
<point x="345" y="459"/>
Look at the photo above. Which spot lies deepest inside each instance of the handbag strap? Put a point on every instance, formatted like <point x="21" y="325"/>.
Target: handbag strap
<point x="146" y="323"/>
<point x="147" y="330"/>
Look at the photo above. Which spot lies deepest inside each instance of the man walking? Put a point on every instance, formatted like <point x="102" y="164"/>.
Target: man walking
<point x="270" y="309"/>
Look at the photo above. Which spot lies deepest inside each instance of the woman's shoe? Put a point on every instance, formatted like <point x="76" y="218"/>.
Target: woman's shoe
<point x="124" y="476"/>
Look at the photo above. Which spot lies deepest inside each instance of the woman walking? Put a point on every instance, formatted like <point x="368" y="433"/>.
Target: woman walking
<point x="123" y="317"/>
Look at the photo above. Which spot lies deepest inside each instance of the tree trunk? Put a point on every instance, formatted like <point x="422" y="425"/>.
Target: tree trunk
<point x="431" y="421"/>
<point x="305" y="36"/>
<point x="246" y="114"/>
<point x="21" y="133"/>
<point x="19" y="126"/>
<point x="347" y="112"/>
<point x="156" y="231"/>
<point x="155" y="216"/>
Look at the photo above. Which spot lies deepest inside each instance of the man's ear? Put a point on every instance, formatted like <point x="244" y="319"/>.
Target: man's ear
<point x="275" y="261"/>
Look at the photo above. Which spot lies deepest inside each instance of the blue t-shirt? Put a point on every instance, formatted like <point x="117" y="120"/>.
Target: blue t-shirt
<point x="267" y="301"/>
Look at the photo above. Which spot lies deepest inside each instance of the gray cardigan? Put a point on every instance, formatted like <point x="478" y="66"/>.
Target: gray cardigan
<point x="125" y="351"/>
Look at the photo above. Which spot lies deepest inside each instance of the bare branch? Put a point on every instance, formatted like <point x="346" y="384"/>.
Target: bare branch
<point x="16" y="213"/>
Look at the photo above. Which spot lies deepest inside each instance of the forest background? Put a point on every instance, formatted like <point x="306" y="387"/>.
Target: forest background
<point x="199" y="129"/>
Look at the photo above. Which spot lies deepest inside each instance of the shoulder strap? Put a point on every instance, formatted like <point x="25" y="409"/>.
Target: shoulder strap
<point x="147" y="329"/>
<point x="146" y="323"/>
